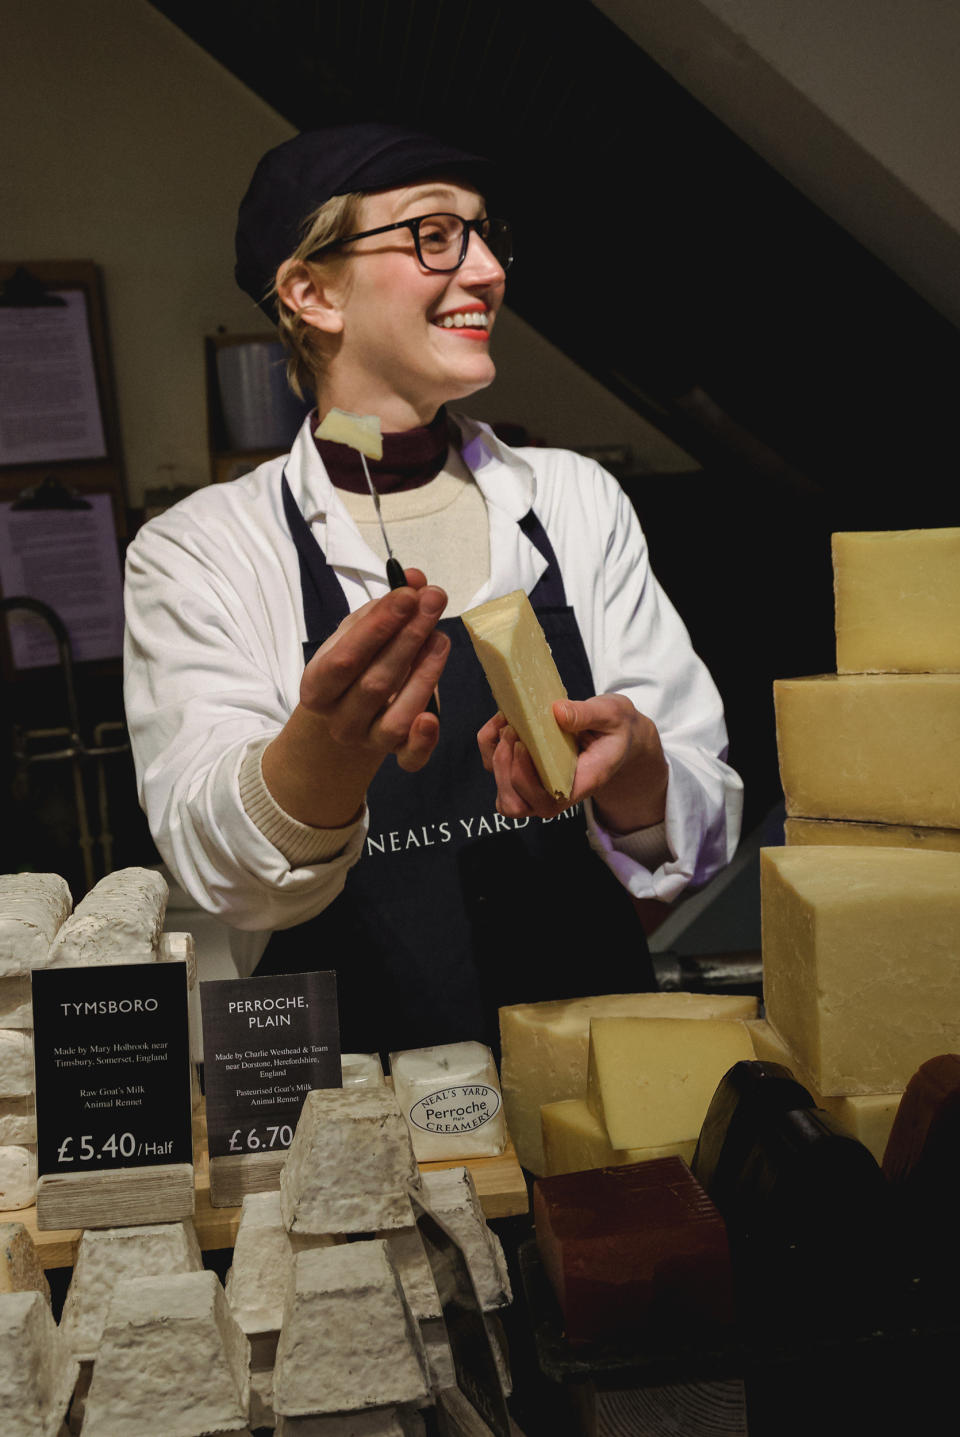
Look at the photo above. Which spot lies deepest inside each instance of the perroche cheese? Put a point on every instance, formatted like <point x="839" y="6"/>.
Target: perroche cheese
<point x="897" y="601"/>
<point x="860" y="957"/>
<point x="544" y="1050"/>
<point x="869" y="835"/>
<point x="868" y="1117"/>
<point x="32" y="908"/>
<point x="357" y="431"/>
<point x="574" y="1140"/>
<point x="119" y="921"/>
<point x="450" y="1097"/>
<point x="884" y="748"/>
<point x="171" y="1360"/>
<point x="520" y="670"/>
<point x="361" y="1070"/>
<point x="650" y="1080"/>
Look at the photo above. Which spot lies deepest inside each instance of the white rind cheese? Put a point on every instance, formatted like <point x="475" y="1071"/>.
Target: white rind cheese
<point x="378" y="1422"/>
<point x="452" y="1196"/>
<point x="18" y="1176"/>
<point x="263" y="1258"/>
<point x="37" y="1373"/>
<point x="32" y="908"/>
<point x="109" y="1256"/>
<point x="361" y="1070"/>
<point x="16" y="1063"/>
<point x="18" y="1120"/>
<point x="180" y="948"/>
<point x="20" y="1267"/>
<point x="409" y="1257"/>
<point x="119" y="921"/>
<point x="349" y="1165"/>
<point x="526" y="683"/>
<point x="172" y="1360"/>
<point x="450" y="1097"/>
<point x="16" y="1002"/>
<point x="348" y="1339"/>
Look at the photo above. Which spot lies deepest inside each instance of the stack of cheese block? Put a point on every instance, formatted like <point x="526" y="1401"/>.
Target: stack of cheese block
<point x="861" y="910"/>
<point x="616" y="1079"/>
<point x="33" y="908"/>
<point x="330" y="1279"/>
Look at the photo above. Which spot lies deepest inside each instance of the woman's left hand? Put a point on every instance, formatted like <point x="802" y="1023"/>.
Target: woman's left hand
<point x="621" y="764"/>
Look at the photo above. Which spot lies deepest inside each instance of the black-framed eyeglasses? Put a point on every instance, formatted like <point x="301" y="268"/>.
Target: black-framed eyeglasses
<point x="441" y="240"/>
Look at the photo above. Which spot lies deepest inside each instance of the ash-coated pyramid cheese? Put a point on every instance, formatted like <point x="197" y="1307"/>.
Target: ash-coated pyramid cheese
<point x="348" y="1340"/>
<point x="349" y="1165"/>
<point x="452" y="1195"/>
<point x="108" y="1256"/>
<point x="37" y="1372"/>
<point x="171" y="1360"/>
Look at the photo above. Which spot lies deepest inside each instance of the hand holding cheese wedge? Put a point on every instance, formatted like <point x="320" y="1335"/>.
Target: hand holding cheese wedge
<point x="547" y="751"/>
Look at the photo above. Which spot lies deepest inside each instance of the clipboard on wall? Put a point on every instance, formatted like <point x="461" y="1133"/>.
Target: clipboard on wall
<point x="62" y="491"/>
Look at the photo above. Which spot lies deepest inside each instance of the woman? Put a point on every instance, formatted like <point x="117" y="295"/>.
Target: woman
<point x="295" y="773"/>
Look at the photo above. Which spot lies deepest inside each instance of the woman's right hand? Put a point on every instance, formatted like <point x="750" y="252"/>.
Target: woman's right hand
<point x="363" y="696"/>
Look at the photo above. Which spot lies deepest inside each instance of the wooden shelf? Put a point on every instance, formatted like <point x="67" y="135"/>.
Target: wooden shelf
<point x="500" y="1187"/>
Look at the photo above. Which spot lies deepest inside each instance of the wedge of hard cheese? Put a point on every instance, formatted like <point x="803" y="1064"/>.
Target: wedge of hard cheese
<point x="650" y="1080"/>
<point x="520" y="670"/>
<point x="860" y="969"/>
<point x="853" y="834"/>
<point x="358" y="431"/>
<point x="574" y="1141"/>
<point x="898" y="601"/>
<point x="544" y="1047"/>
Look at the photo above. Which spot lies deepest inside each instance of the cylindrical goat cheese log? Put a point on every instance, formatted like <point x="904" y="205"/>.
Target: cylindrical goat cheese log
<point x="33" y="906"/>
<point x="18" y="1177"/>
<point x="16" y="1064"/>
<point x="119" y="921"/>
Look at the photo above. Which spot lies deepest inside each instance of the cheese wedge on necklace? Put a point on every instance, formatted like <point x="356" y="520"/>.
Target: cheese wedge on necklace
<point x="520" y="670"/>
<point x="359" y="431"/>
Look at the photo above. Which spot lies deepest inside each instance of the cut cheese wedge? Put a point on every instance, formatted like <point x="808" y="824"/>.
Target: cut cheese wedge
<point x="650" y="1080"/>
<point x="574" y="1141"/>
<point x="898" y="601"/>
<point x="358" y="431"/>
<point x="520" y="670"/>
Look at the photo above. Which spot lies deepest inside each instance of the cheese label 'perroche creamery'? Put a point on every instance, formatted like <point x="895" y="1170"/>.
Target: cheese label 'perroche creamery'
<point x="520" y="670"/>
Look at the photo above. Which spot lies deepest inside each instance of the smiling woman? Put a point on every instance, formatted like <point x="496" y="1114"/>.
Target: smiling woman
<point x="315" y="751"/>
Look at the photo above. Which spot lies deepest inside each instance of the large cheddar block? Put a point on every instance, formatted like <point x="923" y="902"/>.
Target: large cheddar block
<point x="880" y="747"/>
<point x="898" y="601"/>
<point x="861" y="958"/>
<point x="868" y="1117"/>
<point x="650" y="1080"/>
<point x="544" y="1050"/>
<point x="869" y="835"/>
<point x="520" y="670"/>
<point x="574" y="1140"/>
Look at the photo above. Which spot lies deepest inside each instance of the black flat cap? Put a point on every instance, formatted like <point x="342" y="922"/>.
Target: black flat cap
<point x="297" y="177"/>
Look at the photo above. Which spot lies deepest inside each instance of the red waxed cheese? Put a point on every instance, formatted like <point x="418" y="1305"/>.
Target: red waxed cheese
<point x="632" y="1250"/>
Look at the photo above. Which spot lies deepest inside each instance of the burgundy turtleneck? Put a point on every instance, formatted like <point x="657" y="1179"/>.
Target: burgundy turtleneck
<point x="409" y="459"/>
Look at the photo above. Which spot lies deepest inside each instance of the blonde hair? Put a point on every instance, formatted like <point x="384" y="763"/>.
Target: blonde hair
<point x="305" y="345"/>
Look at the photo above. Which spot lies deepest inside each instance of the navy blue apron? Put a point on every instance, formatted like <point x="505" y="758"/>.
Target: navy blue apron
<point x="453" y="910"/>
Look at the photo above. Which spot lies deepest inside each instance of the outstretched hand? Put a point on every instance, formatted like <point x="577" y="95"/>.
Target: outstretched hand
<point x="363" y="696"/>
<point x="621" y="764"/>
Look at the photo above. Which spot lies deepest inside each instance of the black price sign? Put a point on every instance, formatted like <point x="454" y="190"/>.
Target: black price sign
<point x="266" y="1042"/>
<point x="113" y="1067"/>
